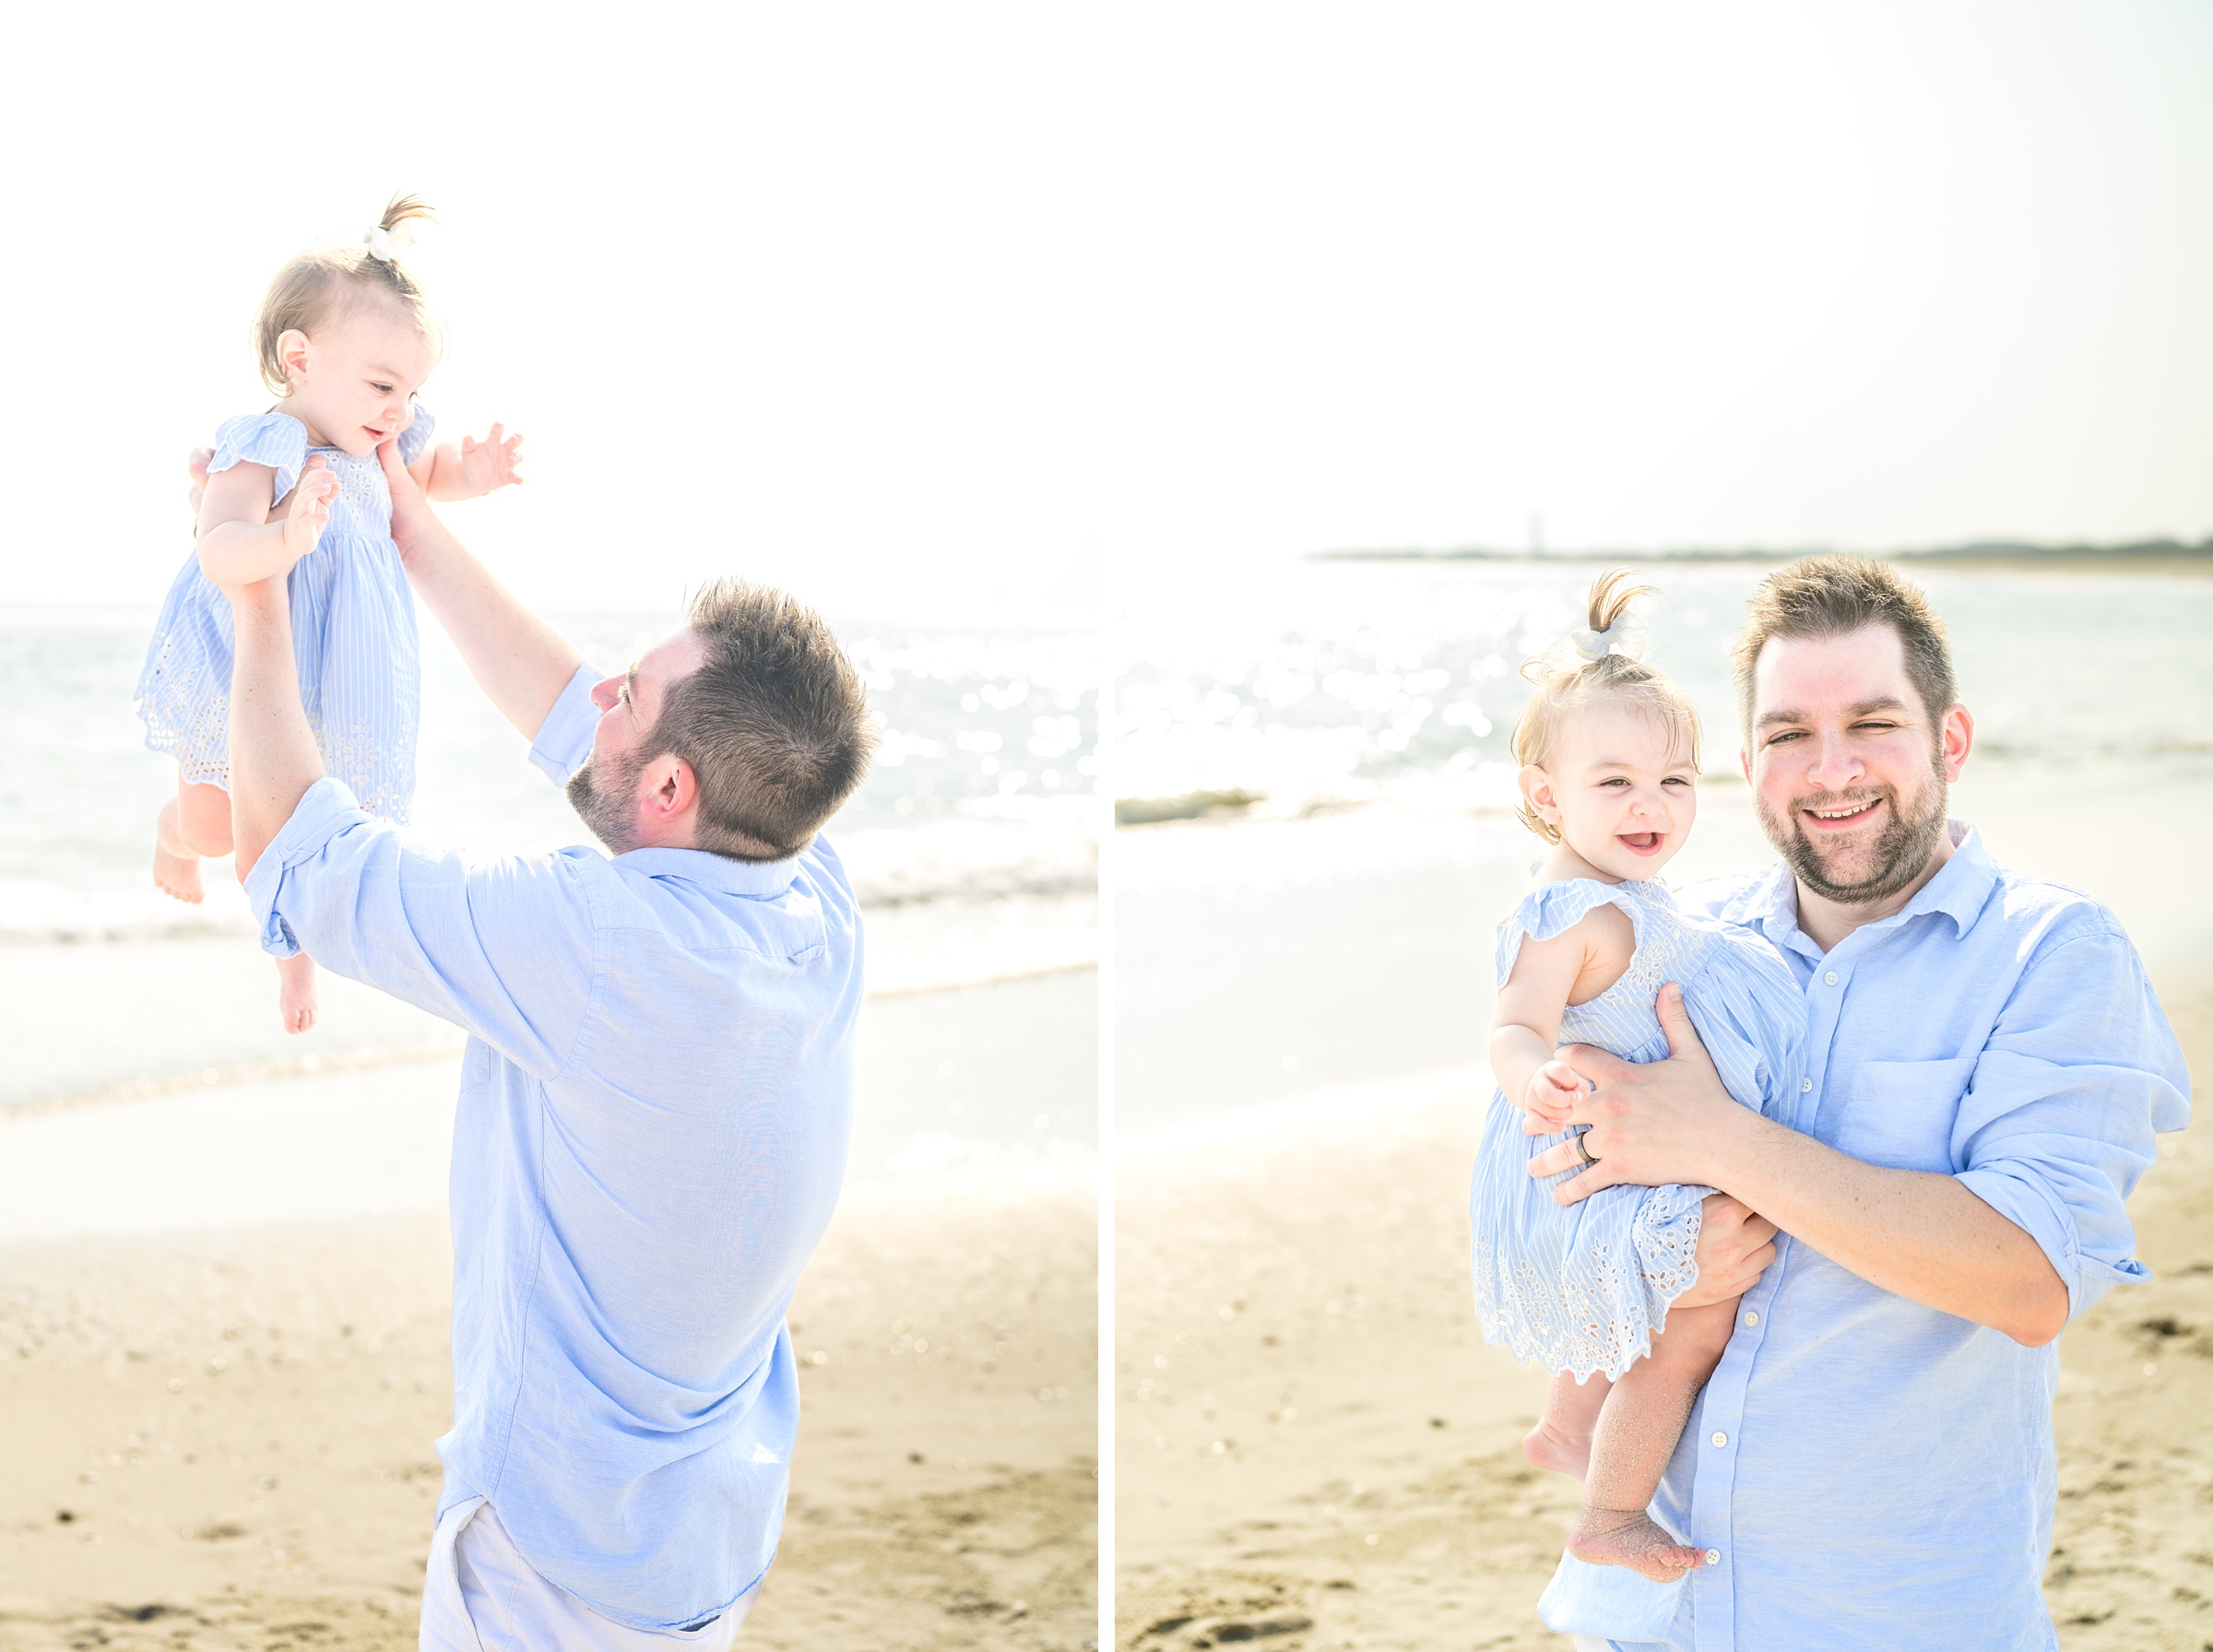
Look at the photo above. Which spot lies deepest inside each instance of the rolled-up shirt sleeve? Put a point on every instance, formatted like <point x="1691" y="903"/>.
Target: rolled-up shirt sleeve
<point x="2068" y="1097"/>
<point x="564" y="738"/>
<point x="500" y="945"/>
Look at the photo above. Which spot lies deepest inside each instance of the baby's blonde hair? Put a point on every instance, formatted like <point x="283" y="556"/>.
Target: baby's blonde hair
<point x="315" y="283"/>
<point x="1567" y="680"/>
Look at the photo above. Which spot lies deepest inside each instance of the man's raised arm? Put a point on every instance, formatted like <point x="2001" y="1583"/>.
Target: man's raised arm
<point x="519" y="661"/>
<point x="273" y="755"/>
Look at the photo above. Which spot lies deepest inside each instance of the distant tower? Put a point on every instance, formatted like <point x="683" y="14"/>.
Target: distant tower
<point x="1536" y="533"/>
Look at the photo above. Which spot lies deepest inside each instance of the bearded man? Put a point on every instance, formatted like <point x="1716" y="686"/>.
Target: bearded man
<point x="657" y="1096"/>
<point x="1871" y="1463"/>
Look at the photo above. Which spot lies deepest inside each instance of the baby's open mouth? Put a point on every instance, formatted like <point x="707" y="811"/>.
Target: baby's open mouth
<point x="1639" y="843"/>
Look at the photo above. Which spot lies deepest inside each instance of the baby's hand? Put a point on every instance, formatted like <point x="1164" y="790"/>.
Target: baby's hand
<point x="491" y="463"/>
<point x="310" y="513"/>
<point x="1552" y="1089"/>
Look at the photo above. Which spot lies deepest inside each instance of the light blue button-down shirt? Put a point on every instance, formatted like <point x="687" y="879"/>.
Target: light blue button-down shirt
<point x="652" y="1128"/>
<point x="1863" y="1471"/>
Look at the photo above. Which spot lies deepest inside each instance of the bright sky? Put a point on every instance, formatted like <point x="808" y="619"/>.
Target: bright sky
<point x="931" y="310"/>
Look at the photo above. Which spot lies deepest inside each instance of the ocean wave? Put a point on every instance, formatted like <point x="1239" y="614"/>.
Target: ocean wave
<point x="1047" y="852"/>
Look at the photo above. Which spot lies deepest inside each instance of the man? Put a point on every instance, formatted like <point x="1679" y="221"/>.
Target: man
<point x="1872" y="1464"/>
<point x="656" y="1095"/>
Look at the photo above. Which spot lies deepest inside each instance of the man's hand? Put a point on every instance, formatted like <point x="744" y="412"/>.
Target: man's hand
<point x="196" y="467"/>
<point x="1736" y="1244"/>
<point x="1652" y="1121"/>
<point x="412" y="519"/>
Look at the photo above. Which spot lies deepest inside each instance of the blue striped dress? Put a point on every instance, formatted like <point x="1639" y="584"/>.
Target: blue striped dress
<point x="353" y="630"/>
<point x="1582" y="1288"/>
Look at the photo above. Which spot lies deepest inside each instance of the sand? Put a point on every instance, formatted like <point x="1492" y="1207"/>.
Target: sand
<point x="223" y="1439"/>
<point x="1314" y="1449"/>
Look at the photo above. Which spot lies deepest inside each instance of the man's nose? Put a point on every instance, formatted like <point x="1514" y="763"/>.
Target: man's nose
<point x="606" y="691"/>
<point x="1835" y="765"/>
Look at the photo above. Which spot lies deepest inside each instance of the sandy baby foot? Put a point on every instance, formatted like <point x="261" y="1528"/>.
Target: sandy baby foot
<point x="296" y="1000"/>
<point x="176" y="868"/>
<point x="1628" y="1537"/>
<point x="1547" y="1446"/>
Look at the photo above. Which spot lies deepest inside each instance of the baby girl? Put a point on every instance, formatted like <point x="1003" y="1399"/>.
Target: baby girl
<point x="1609" y="749"/>
<point x="344" y="339"/>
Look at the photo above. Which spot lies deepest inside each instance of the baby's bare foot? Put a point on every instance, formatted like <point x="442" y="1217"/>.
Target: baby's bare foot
<point x="178" y="875"/>
<point x="296" y="1000"/>
<point x="1629" y="1537"/>
<point x="1549" y="1447"/>
<point x="176" y="867"/>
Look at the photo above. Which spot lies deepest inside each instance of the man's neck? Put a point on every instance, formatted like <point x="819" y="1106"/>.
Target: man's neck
<point x="1825" y="923"/>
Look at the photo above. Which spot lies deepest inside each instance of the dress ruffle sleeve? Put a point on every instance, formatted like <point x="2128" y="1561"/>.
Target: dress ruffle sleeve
<point x="421" y="431"/>
<point x="276" y="440"/>
<point x="1552" y="909"/>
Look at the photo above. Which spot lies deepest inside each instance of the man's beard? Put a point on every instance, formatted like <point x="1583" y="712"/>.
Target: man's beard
<point x="609" y="811"/>
<point x="1898" y="856"/>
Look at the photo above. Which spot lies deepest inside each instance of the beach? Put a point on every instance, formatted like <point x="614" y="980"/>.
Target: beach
<point x="222" y="1437"/>
<point x="224" y="1257"/>
<point x="1313" y="1442"/>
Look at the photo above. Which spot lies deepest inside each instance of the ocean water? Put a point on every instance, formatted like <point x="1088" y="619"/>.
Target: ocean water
<point x="1338" y="934"/>
<point x="972" y="846"/>
<point x="983" y="787"/>
<point x="1332" y="681"/>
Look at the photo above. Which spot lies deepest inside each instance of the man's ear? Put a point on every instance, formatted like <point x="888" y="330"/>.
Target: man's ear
<point x="1956" y="740"/>
<point x="668" y="788"/>
<point x="291" y="354"/>
<point x="1744" y="762"/>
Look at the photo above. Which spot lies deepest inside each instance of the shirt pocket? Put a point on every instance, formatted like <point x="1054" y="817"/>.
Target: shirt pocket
<point x="1903" y="1113"/>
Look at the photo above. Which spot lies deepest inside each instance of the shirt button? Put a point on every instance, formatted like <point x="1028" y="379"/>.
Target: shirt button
<point x="1752" y="1317"/>
<point x="1831" y="977"/>
<point x="1720" y="1438"/>
<point x="1805" y="1085"/>
<point x="1713" y="1557"/>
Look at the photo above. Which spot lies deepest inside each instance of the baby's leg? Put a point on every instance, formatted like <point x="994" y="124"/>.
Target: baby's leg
<point x="1636" y="1435"/>
<point x="1561" y="1440"/>
<point x="296" y="1001"/>
<point x="193" y="825"/>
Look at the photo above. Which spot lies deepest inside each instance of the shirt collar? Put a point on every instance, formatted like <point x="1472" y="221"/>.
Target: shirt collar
<point x="755" y="879"/>
<point x="1962" y="885"/>
<point x="1960" y="890"/>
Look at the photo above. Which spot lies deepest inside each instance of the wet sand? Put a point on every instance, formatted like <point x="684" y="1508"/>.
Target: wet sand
<point x="223" y="1439"/>
<point x="1314" y="1443"/>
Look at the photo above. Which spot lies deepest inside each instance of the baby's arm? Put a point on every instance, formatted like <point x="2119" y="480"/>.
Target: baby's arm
<point x="238" y="543"/>
<point x="1590" y="955"/>
<point x="470" y="469"/>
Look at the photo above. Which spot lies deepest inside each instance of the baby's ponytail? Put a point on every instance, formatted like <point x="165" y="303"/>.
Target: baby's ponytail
<point x="400" y="208"/>
<point x="1606" y="658"/>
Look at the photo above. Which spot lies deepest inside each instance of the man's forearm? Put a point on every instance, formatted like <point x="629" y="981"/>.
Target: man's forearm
<point x="273" y="755"/>
<point x="520" y="662"/>
<point x="1924" y="1236"/>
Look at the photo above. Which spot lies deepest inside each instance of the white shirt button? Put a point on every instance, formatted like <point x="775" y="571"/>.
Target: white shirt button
<point x="1752" y="1317"/>
<point x="1720" y="1438"/>
<point x="1831" y="977"/>
<point x="1713" y="1557"/>
<point x="1805" y="1084"/>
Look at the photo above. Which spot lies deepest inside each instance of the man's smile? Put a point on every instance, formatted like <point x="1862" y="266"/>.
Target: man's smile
<point x="1839" y="817"/>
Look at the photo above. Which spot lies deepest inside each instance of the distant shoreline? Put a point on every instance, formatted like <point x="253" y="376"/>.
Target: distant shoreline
<point x="2160" y="555"/>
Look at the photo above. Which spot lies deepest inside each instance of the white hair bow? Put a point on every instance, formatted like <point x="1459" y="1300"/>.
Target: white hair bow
<point x="1625" y="637"/>
<point x="385" y="244"/>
